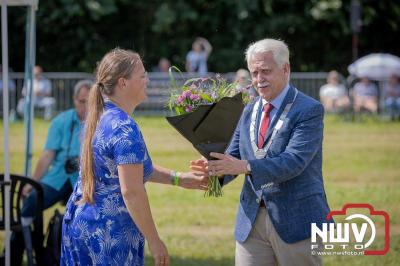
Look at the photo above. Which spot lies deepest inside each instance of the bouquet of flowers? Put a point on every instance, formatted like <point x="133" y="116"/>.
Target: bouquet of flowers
<point x="208" y="110"/>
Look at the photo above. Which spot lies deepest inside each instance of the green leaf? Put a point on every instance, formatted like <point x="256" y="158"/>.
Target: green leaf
<point x="206" y="97"/>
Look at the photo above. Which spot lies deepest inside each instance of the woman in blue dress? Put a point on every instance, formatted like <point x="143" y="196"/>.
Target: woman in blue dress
<point x="108" y="215"/>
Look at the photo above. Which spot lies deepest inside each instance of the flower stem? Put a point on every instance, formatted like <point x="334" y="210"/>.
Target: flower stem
<point x="214" y="187"/>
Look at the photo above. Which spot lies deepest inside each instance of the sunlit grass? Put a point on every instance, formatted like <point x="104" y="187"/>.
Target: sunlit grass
<point x="361" y="164"/>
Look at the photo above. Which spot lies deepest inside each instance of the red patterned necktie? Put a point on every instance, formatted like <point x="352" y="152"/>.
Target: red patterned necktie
<point x="264" y="124"/>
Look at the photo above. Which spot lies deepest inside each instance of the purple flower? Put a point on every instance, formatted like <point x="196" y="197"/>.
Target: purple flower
<point x="180" y="99"/>
<point x="187" y="93"/>
<point x="194" y="97"/>
<point x="188" y="109"/>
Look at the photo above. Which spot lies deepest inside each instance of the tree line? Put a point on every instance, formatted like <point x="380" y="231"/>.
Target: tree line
<point x="72" y="35"/>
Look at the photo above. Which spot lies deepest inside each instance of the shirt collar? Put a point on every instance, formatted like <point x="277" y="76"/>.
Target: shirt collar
<point x="108" y="104"/>
<point x="277" y="102"/>
<point x="75" y="117"/>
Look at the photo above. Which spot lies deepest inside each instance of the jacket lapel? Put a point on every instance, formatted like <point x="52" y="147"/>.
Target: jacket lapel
<point x="289" y="97"/>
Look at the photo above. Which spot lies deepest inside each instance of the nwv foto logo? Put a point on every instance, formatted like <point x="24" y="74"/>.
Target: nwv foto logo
<point x="332" y="234"/>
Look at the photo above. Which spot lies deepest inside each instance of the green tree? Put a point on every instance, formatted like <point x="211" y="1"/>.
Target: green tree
<point x="72" y="35"/>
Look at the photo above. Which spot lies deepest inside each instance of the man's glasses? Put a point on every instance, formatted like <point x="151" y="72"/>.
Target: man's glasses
<point x="83" y="102"/>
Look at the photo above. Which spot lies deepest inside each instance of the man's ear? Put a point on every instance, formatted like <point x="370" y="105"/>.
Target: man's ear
<point x="286" y="68"/>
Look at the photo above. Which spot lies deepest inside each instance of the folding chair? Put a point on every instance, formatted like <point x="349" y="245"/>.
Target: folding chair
<point x="17" y="184"/>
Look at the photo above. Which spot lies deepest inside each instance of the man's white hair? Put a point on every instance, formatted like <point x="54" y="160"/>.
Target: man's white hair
<point x="279" y="49"/>
<point x="86" y="83"/>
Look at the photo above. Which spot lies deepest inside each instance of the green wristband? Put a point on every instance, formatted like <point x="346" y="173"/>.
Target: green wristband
<point x="175" y="178"/>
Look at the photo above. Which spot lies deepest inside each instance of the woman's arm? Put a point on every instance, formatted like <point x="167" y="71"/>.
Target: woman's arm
<point x="137" y="203"/>
<point x="186" y="180"/>
<point x="162" y="175"/>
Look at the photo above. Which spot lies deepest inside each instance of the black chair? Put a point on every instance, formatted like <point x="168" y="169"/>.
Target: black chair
<point x="35" y="240"/>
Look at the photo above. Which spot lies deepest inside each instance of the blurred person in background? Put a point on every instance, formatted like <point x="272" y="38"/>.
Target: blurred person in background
<point x="57" y="167"/>
<point x="391" y="94"/>
<point x="11" y="95"/>
<point x="196" y="59"/>
<point x="243" y="82"/>
<point x="365" y="95"/>
<point x="163" y="65"/>
<point x="333" y="95"/>
<point x="41" y="95"/>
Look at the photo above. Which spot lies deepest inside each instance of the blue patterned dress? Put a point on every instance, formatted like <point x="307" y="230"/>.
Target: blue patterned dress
<point x="104" y="233"/>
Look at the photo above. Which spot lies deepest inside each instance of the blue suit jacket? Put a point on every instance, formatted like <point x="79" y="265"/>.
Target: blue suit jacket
<point x="290" y="176"/>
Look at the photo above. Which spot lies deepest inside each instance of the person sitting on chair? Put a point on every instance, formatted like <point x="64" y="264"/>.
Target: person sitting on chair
<point x="41" y="95"/>
<point x="57" y="168"/>
<point x="333" y="95"/>
<point x="365" y="95"/>
<point x="391" y="93"/>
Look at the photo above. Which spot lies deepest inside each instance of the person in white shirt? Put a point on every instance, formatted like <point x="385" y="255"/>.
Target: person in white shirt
<point x="41" y="95"/>
<point x="333" y="95"/>
<point x="196" y="59"/>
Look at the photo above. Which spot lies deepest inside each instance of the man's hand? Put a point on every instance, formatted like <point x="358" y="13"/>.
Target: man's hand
<point x="26" y="190"/>
<point x="226" y="165"/>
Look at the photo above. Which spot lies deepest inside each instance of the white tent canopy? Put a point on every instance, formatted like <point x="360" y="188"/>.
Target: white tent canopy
<point x="29" y="62"/>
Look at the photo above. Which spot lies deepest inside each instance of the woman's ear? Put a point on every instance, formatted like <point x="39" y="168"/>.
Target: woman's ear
<point x="121" y="83"/>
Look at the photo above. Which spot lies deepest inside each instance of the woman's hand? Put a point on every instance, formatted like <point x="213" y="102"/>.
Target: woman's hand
<point x="200" y="166"/>
<point x="159" y="252"/>
<point x="194" y="180"/>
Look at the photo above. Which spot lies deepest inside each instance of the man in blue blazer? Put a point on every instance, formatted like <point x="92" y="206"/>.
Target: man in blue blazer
<point x="278" y="146"/>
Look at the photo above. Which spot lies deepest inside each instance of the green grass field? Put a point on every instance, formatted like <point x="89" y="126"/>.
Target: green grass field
<point x="361" y="165"/>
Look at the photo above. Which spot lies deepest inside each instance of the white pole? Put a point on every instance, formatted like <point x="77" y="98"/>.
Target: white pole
<point x="32" y="54"/>
<point x="29" y="110"/>
<point x="4" y="48"/>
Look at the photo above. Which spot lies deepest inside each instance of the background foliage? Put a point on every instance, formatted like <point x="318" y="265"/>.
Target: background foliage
<point x="73" y="34"/>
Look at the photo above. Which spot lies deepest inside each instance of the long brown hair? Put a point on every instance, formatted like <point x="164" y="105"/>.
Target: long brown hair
<point x="116" y="64"/>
